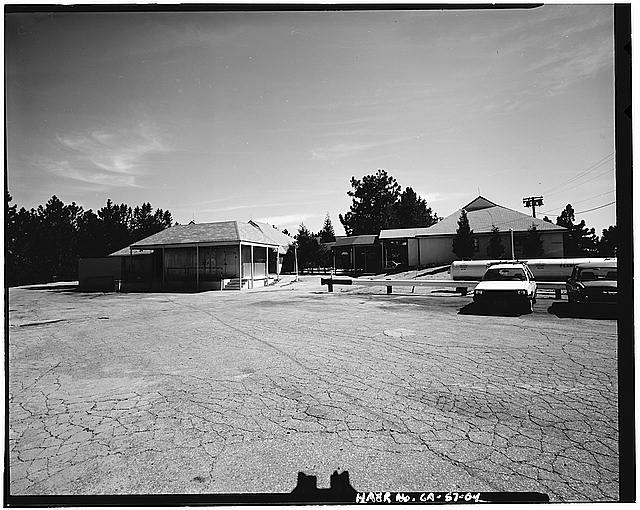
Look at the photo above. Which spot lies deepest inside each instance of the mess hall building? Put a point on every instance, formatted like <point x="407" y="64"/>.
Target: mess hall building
<point x="225" y="255"/>
<point x="430" y="246"/>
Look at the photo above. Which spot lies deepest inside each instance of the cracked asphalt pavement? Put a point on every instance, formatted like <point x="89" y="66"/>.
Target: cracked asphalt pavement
<point x="238" y="391"/>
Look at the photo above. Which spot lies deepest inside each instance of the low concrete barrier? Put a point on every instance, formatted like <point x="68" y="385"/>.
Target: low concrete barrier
<point x="462" y="286"/>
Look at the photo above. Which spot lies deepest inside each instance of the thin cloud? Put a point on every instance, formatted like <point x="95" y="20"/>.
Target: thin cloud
<point x="288" y="219"/>
<point x="442" y="196"/>
<point x="114" y="151"/>
<point x="344" y="150"/>
<point x="255" y="206"/>
<point x="549" y="76"/>
<point x="104" y="158"/>
<point x="98" y="179"/>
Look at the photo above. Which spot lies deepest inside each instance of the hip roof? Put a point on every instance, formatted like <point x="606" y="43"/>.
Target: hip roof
<point x="216" y="233"/>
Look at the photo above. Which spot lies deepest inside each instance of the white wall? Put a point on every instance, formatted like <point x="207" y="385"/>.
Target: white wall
<point x="436" y="250"/>
<point x="439" y="250"/>
<point x="412" y="248"/>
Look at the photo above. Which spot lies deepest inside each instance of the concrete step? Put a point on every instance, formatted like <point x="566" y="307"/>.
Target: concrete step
<point x="233" y="284"/>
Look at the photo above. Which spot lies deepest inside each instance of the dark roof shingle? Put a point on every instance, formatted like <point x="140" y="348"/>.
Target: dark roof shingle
<point x="218" y="232"/>
<point x="363" y="240"/>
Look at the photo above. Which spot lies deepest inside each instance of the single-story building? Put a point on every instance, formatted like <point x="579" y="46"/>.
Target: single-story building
<point x="429" y="246"/>
<point x="225" y="255"/>
<point x="356" y="254"/>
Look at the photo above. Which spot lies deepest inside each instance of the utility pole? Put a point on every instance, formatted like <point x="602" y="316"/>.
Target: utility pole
<point x="532" y="202"/>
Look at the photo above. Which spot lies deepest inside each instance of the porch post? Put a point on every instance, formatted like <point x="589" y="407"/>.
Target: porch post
<point x="278" y="263"/>
<point x="240" y="264"/>
<point x="197" y="270"/>
<point x="163" y="268"/>
<point x="252" y="268"/>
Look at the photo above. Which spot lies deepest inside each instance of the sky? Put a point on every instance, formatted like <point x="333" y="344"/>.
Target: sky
<point x="267" y="115"/>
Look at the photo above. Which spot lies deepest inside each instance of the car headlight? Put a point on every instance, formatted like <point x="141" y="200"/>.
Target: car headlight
<point x="521" y="292"/>
<point x="478" y="292"/>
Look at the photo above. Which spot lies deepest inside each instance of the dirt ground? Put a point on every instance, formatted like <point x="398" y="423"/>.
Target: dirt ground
<point x="238" y="391"/>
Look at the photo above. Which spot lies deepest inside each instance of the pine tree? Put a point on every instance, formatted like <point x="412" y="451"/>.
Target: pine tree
<point x="373" y="204"/>
<point x="308" y="247"/>
<point x="327" y="233"/>
<point x="579" y="240"/>
<point x="532" y="246"/>
<point x="412" y="211"/>
<point x="495" y="250"/>
<point x="608" y="244"/>
<point x="463" y="242"/>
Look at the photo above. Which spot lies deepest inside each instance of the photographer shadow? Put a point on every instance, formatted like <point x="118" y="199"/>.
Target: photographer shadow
<point x="602" y="311"/>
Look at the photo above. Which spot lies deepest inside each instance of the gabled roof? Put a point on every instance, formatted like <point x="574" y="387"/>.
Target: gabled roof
<point x="363" y="240"/>
<point x="482" y="220"/>
<point x="214" y="233"/>
<point x="483" y="214"/>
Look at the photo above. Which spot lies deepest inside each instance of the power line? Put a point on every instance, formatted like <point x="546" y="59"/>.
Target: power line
<point x="600" y="162"/>
<point x="595" y="165"/>
<point x="599" y="207"/>
<point x="552" y="211"/>
<point x="608" y="170"/>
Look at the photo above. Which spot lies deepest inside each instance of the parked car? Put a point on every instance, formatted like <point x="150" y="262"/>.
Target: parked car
<point x="595" y="282"/>
<point x="507" y="283"/>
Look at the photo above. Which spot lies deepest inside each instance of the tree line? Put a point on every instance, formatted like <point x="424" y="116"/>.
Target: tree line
<point x="312" y="248"/>
<point x="44" y="243"/>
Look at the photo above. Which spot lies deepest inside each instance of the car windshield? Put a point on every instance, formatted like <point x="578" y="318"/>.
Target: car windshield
<point x="589" y="274"/>
<point x="504" y="274"/>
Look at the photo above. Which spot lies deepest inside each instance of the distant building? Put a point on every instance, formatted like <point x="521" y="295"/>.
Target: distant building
<point x="207" y="256"/>
<point x="429" y="246"/>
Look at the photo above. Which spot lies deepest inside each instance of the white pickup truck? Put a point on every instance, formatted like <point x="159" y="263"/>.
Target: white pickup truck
<point x="508" y="283"/>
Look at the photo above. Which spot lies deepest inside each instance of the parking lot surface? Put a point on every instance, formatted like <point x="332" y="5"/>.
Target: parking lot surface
<point x="238" y="391"/>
